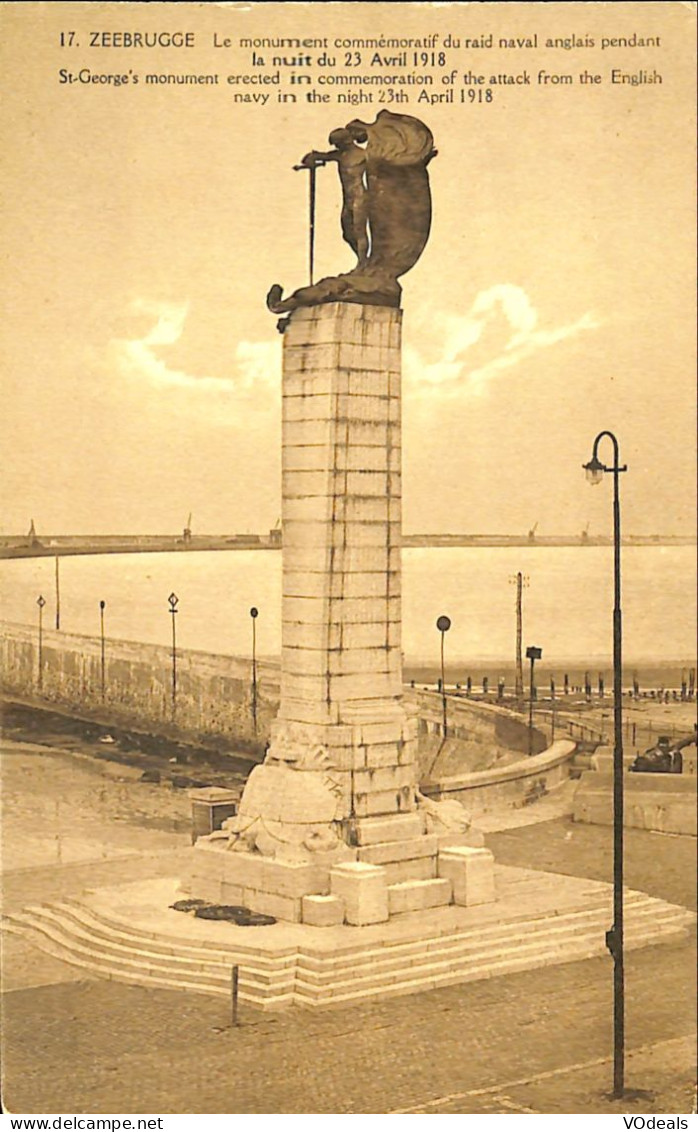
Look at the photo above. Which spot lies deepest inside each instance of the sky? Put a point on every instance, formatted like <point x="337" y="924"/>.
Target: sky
<point x="143" y="226"/>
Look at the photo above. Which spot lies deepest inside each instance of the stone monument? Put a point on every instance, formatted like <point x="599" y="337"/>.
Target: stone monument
<point x="332" y="828"/>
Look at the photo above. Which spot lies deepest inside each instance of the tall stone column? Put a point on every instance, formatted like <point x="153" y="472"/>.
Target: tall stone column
<point x="341" y="682"/>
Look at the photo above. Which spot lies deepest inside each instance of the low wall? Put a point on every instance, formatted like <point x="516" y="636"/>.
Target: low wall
<point x="479" y="734"/>
<point x="213" y="695"/>
<point x="214" y="701"/>
<point x="665" y="803"/>
<point x="517" y="784"/>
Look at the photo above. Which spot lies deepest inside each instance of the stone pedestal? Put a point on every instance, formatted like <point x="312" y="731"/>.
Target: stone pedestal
<point x="339" y="783"/>
<point x="363" y="889"/>
<point x="471" y="873"/>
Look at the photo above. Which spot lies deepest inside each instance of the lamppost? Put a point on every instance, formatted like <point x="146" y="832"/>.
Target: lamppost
<point x="520" y="581"/>
<point x="443" y="624"/>
<point x="173" y="600"/>
<point x="533" y="654"/>
<point x="614" y="938"/>
<point x="58" y="595"/>
<point x="101" y="642"/>
<point x="41" y="602"/>
<point x="254" y="613"/>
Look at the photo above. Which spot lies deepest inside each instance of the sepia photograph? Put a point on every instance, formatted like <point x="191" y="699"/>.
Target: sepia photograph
<point x="348" y="562"/>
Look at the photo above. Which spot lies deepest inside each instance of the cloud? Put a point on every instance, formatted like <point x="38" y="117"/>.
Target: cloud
<point x="500" y="329"/>
<point x="255" y="363"/>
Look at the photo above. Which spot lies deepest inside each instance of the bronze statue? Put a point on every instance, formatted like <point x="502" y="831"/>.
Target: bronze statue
<point x="386" y="210"/>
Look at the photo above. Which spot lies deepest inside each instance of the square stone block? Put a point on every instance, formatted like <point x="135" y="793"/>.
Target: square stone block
<point x="305" y="432"/>
<point x="372" y="831"/>
<point x="363" y="458"/>
<point x="414" y="868"/>
<point x="313" y="457"/>
<point x="367" y="483"/>
<point x="281" y="907"/>
<point x="389" y="731"/>
<point x="300" y="483"/>
<point x="354" y="662"/>
<point x="370" y="433"/>
<point x="302" y="382"/>
<point x="387" y="852"/>
<point x="366" y="686"/>
<point x="360" y="610"/>
<point x="384" y="802"/>
<point x="312" y="508"/>
<point x="358" y="636"/>
<point x="302" y="660"/>
<point x="364" y="890"/>
<point x="361" y="357"/>
<point x="286" y="879"/>
<point x="323" y="911"/>
<point x="365" y="383"/>
<point x="246" y="870"/>
<point x="471" y="871"/>
<point x="300" y="687"/>
<point x="317" y="407"/>
<point x="381" y="779"/>
<point x="380" y="583"/>
<point x="230" y="894"/>
<point x="417" y="895"/>
<point x="382" y="754"/>
<point x="297" y="710"/>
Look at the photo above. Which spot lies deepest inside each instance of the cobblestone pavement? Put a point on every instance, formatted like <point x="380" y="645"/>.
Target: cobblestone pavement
<point x="538" y="1040"/>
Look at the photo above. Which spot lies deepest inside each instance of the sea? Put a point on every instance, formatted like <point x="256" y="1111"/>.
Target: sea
<point x="567" y="605"/>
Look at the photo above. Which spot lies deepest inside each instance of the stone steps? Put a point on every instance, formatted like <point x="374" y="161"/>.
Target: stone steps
<point x="325" y="977"/>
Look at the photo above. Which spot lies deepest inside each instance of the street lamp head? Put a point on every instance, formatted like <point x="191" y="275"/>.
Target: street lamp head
<point x="102" y="604"/>
<point x="41" y="601"/>
<point x="254" y="612"/>
<point x="443" y="623"/>
<point x="594" y="470"/>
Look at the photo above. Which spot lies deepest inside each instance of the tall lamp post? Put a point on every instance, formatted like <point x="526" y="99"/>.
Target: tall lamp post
<point x="614" y="938"/>
<point x="254" y="613"/>
<point x="443" y="624"/>
<point x="521" y="581"/>
<point x="41" y="602"/>
<point x="533" y="654"/>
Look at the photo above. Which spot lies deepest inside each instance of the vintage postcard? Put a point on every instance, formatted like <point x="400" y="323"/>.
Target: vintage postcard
<point x="347" y="561"/>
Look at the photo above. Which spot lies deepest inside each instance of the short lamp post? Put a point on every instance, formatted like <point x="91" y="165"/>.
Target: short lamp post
<point x="173" y="602"/>
<point x="595" y="471"/>
<point x="254" y="613"/>
<point x="102" y="681"/>
<point x="533" y="654"/>
<point x="443" y="624"/>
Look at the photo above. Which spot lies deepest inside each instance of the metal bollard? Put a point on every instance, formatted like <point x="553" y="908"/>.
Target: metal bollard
<point x="234" y="993"/>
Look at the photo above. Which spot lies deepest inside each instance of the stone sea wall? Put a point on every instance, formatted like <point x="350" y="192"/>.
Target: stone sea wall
<point x="213" y="693"/>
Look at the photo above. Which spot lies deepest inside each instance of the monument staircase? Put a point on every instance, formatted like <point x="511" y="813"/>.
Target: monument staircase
<point x="565" y="920"/>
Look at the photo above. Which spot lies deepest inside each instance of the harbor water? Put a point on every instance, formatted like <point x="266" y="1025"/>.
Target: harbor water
<point x="567" y="602"/>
